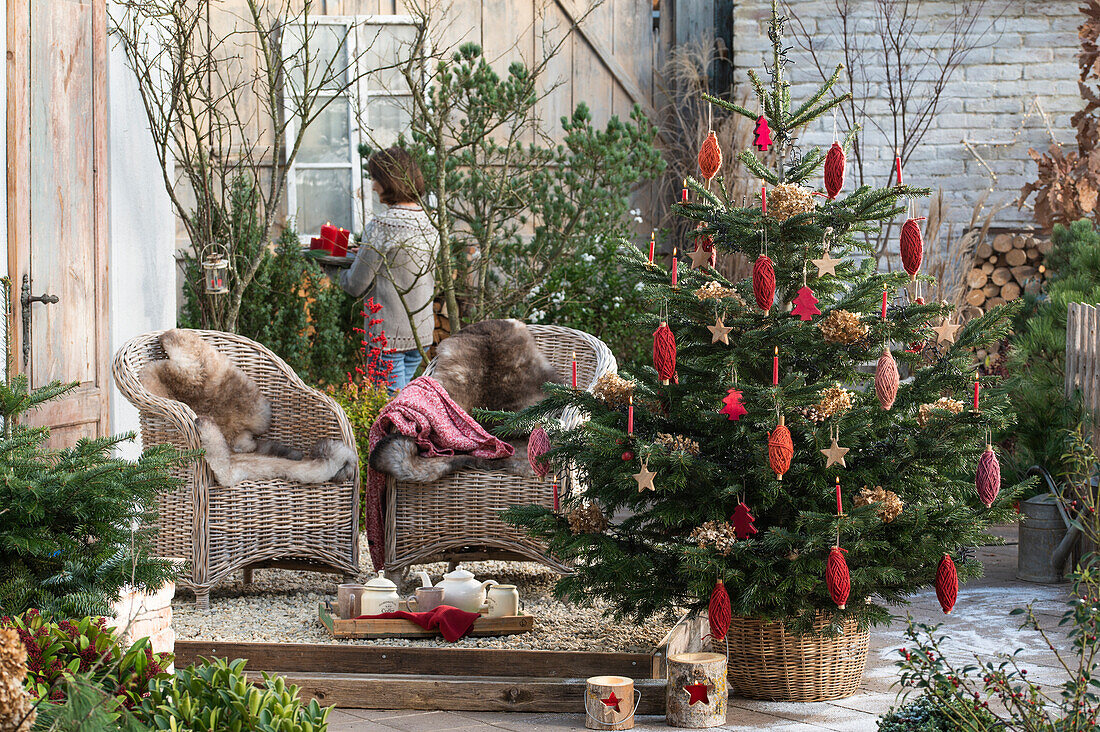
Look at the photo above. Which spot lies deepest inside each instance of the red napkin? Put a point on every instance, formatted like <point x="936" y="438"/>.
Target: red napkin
<point x="451" y="621"/>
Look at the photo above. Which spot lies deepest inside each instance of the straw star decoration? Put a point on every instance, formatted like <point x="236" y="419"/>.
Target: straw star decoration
<point x="946" y="332"/>
<point x="834" y="454"/>
<point x="644" y="478"/>
<point x="719" y="331"/>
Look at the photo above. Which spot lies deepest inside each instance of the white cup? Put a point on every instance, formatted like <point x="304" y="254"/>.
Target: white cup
<point x="503" y="600"/>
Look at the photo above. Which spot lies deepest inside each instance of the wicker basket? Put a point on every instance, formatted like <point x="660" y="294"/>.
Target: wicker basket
<point x="767" y="661"/>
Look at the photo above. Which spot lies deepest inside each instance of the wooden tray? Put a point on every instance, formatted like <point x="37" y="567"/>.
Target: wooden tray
<point x="323" y="257"/>
<point x="398" y="628"/>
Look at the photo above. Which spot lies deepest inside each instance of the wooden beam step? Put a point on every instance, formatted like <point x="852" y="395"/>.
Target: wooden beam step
<point x="459" y="693"/>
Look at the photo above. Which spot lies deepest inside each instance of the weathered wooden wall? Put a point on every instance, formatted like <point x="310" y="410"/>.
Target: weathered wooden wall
<point x="1083" y="357"/>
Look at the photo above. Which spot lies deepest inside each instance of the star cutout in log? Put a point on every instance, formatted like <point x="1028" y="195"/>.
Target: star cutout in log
<point x="644" y="478"/>
<point x="805" y="305"/>
<point x="697" y="692"/>
<point x="719" y="332"/>
<point x="612" y="701"/>
<point x="946" y="332"/>
<point x="835" y="454"/>
<point x="826" y="265"/>
<point x="700" y="257"/>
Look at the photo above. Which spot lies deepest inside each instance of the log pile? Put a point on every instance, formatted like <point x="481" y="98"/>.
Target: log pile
<point x="1004" y="269"/>
<point x="442" y="323"/>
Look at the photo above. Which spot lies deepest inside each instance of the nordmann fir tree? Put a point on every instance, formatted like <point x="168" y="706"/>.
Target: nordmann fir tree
<point x="908" y="479"/>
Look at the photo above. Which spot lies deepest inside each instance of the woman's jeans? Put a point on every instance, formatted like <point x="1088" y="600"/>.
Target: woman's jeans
<point x="404" y="365"/>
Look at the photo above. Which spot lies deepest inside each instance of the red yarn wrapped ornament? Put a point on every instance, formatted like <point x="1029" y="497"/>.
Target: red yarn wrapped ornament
<point x="710" y="157"/>
<point x="763" y="134"/>
<point x="837" y="578"/>
<point x="835" y="163"/>
<point x="734" y="408"/>
<point x="912" y="247"/>
<point x="780" y="449"/>
<point x="742" y="521"/>
<point x="664" y="353"/>
<point x="988" y="479"/>
<point x="538" y="444"/>
<point x="763" y="283"/>
<point x="719" y="613"/>
<point x="886" y="379"/>
<point x="947" y="584"/>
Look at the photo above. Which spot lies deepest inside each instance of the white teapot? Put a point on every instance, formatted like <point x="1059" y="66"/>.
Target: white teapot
<point x="460" y="589"/>
<point x="380" y="596"/>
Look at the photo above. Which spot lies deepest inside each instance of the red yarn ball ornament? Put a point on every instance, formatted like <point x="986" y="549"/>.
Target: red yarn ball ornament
<point x="912" y="247"/>
<point x="947" y="584"/>
<point x="628" y="456"/>
<point x="710" y="157"/>
<point x="886" y="379"/>
<point x="780" y="450"/>
<point x="537" y="446"/>
<point x="763" y="283"/>
<point x="837" y="578"/>
<point x="988" y="480"/>
<point x="719" y="613"/>
<point x="664" y="353"/>
<point x="835" y="163"/>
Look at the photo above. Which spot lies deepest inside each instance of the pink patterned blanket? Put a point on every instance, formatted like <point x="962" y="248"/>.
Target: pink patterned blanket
<point x="423" y="410"/>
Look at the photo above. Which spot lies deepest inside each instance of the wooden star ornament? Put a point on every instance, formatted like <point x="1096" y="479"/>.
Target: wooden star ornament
<point x="700" y="257"/>
<point x="826" y="265"/>
<point x="946" y="332"/>
<point x="719" y="332"/>
<point x="644" y="478"/>
<point x="834" y="455"/>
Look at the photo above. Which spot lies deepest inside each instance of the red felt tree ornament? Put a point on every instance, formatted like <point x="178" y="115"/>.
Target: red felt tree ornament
<point x="763" y="134"/>
<point x="912" y="247"/>
<point x="780" y="449"/>
<point x="886" y="379"/>
<point x="947" y="584"/>
<point x="718" y="611"/>
<point x="837" y="578"/>
<point x="989" y="477"/>
<point x="805" y="305"/>
<point x="664" y="353"/>
<point x="734" y="408"/>
<point x="537" y="446"/>
<point x="710" y="157"/>
<point x="742" y="521"/>
<point x="835" y="163"/>
<point x="763" y="283"/>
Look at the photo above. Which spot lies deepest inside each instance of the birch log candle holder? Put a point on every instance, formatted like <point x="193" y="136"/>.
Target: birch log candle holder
<point x="609" y="703"/>
<point x="697" y="691"/>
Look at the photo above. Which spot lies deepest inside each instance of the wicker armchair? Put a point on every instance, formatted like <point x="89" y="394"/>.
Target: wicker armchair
<point x="219" y="530"/>
<point x="457" y="517"/>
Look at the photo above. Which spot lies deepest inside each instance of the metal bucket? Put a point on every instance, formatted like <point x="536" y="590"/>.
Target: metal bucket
<point x="1041" y="530"/>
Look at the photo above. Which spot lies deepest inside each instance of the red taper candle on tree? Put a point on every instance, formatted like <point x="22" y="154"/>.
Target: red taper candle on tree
<point x="775" y="367"/>
<point x="557" y="500"/>
<point x="684" y="193"/>
<point x="884" y="302"/>
<point x="839" y="502"/>
<point x="652" y="244"/>
<point x="630" y="415"/>
<point x="977" y="388"/>
<point x="763" y="199"/>
<point x="897" y="164"/>
<point x="675" y="267"/>
<point x="574" y="369"/>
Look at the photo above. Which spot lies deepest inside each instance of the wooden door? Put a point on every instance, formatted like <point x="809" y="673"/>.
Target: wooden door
<point x="57" y="197"/>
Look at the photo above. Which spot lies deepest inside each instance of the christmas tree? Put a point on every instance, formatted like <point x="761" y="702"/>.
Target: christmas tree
<point x="786" y="444"/>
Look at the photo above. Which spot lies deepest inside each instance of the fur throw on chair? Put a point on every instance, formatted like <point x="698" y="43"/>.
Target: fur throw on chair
<point x="494" y="364"/>
<point x="232" y="413"/>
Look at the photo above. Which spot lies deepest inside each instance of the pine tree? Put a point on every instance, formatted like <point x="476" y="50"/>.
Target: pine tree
<point x="667" y="547"/>
<point x="76" y="524"/>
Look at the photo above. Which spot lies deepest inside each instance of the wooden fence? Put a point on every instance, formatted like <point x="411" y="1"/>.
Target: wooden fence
<point x="1083" y="356"/>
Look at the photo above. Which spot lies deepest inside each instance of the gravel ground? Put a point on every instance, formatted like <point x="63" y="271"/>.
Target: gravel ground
<point x="281" y="606"/>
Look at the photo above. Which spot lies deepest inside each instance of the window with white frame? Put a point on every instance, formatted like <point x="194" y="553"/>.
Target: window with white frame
<point x="326" y="182"/>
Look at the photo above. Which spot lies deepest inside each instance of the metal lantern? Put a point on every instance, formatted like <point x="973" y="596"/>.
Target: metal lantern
<point x="215" y="272"/>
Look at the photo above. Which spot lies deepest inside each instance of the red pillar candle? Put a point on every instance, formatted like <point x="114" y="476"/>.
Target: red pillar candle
<point x="977" y="388"/>
<point x="775" y="367"/>
<point x="630" y="415"/>
<point x="839" y="503"/>
<point x="316" y="242"/>
<point x="329" y="235"/>
<point x="652" y="243"/>
<point x="340" y="248"/>
<point x="884" y="302"/>
<point x="574" y="369"/>
<point x="897" y="164"/>
<point x="675" y="267"/>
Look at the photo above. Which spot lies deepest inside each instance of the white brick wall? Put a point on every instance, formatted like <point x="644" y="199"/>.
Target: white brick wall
<point x="1034" y="56"/>
<point x="139" y="615"/>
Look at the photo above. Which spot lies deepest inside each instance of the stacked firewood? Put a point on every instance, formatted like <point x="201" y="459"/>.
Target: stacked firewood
<point x="1004" y="269"/>
<point x="442" y="324"/>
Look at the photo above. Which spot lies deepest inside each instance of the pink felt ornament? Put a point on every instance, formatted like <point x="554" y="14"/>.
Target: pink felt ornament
<point x="834" y="170"/>
<point x="664" y="353"/>
<point x="886" y="379"/>
<point x="537" y="446"/>
<point x="988" y="479"/>
<point x="912" y="247"/>
<point x="763" y="283"/>
<point x="762" y="134"/>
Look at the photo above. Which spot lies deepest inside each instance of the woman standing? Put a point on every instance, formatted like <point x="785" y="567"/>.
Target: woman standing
<point x="395" y="264"/>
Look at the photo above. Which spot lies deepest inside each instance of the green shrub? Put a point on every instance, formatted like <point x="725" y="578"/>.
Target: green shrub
<point x="924" y="714"/>
<point x="59" y="652"/>
<point x="217" y="696"/>
<point x="361" y="400"/>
